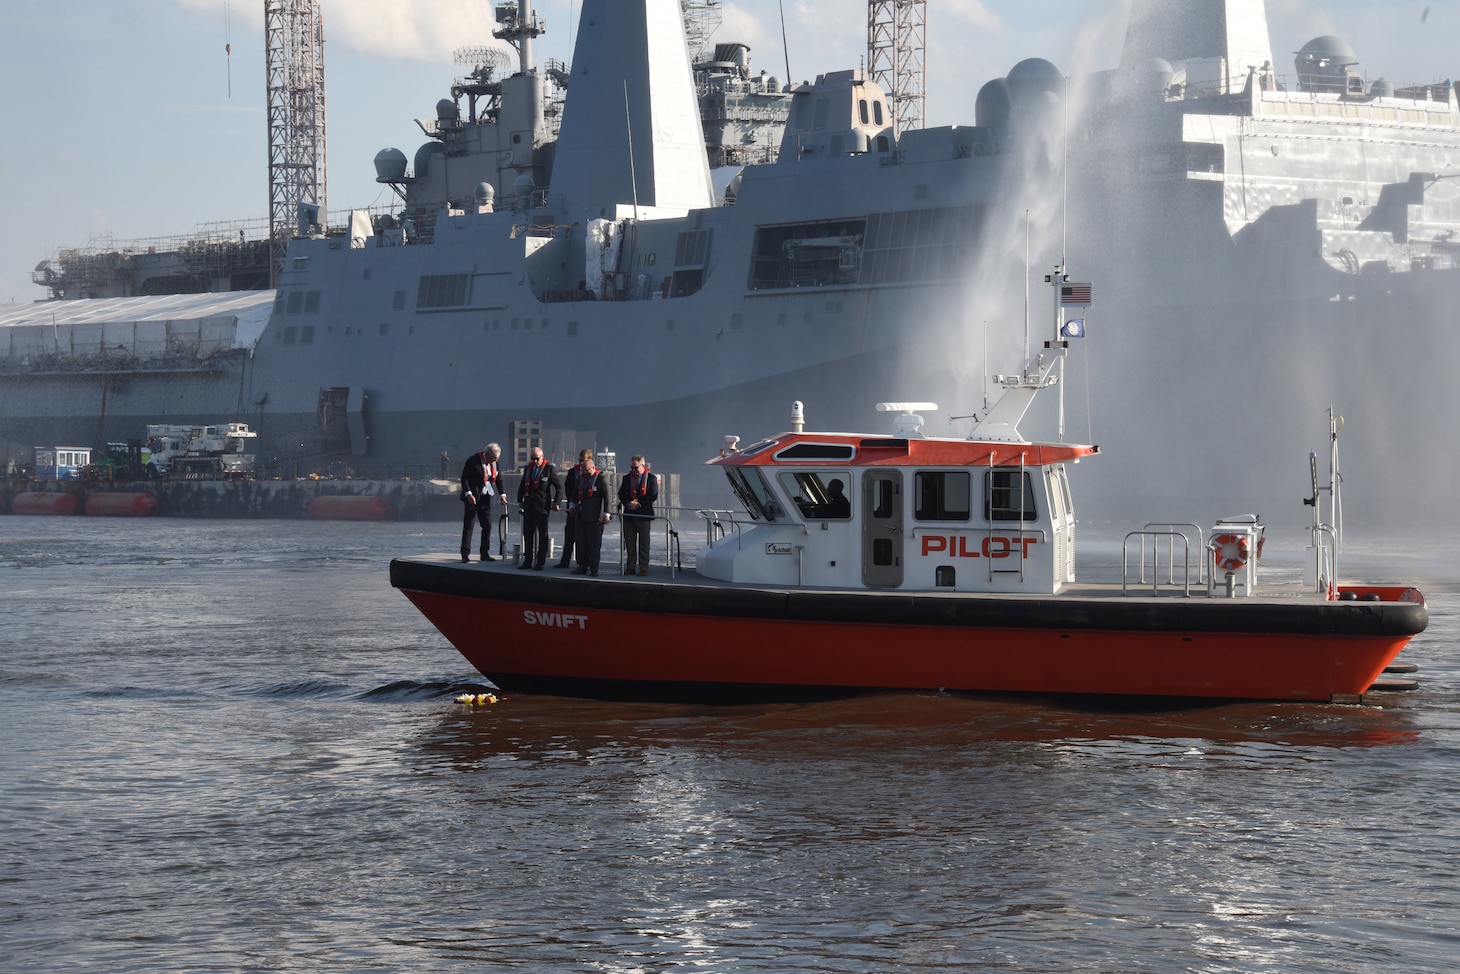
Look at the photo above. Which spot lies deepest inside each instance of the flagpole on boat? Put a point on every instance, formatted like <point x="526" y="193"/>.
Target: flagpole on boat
<point x="1026" y="285"/>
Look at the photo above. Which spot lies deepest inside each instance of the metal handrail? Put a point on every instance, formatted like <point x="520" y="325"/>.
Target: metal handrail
<point x="1154" y="537"/>
<point x="672" y="553"/>
<point x="1201" y="566"/>
<point x="1327" y="558"/>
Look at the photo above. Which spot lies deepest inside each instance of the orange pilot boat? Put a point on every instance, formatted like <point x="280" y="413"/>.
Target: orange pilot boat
<point x="868" y="562"/>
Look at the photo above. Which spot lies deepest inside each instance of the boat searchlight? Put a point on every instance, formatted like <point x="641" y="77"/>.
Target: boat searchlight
<point x="909" y="423"/>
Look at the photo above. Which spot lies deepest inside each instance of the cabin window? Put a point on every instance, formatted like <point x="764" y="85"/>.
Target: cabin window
<point x="752" y="490"/>
<point x="942" y="495"/>
<point x="877" y="112"/>
<point x="862" y="109"/>
<point x="882" y="495"/>
<point x="823" y="109"/>
<point x="820" y="495"/>
<point x="817" y="451"/>
<point x="1008" y="496"/>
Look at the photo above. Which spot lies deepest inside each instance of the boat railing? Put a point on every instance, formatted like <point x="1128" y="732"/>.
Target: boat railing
<point x="672" y="553"/>
<point x="1326" y="554"/>
<point x="1152" y="535"/>
<point x="716" y="521"/>
<point x="1180" y="527"/>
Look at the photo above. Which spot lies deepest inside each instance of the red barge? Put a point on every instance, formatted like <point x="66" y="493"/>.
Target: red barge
<point x="868" y="562"/>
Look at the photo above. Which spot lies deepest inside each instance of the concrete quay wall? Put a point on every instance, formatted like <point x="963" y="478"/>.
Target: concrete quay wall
<point x="406" y="500"/>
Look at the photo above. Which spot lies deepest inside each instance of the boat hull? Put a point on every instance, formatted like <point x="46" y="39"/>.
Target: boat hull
<point x="618" y="639"/>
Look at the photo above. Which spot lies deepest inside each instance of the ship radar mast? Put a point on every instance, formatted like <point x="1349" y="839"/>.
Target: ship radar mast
<point x="519" y="27"/>
<point x="896" y="58"/>
<point x="294" y="43"/>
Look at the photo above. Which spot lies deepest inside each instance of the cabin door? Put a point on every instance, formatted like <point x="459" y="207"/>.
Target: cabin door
<point x="882" y="535"/>
<point x="1062" y="515"/>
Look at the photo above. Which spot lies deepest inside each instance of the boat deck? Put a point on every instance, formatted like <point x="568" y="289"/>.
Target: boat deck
<point x="1280" y="590"/>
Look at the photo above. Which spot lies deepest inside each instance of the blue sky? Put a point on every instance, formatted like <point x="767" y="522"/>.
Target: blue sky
<point x="117" y="115"/>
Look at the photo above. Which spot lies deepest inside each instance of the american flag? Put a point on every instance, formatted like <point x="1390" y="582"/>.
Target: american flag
<point x="1074" y="294"/>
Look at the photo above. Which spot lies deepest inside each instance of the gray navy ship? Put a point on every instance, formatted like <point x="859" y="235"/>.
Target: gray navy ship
<point x="1262" y="243"/>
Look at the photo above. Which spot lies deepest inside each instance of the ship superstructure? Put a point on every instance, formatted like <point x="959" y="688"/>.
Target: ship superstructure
<point x="1243" y="221"/>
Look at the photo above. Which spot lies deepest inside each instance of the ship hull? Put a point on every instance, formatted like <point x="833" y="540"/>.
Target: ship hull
<point x="687" y="640"/>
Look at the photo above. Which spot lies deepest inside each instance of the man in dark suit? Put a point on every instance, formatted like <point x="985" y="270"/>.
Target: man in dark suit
<point x="570" y="501"/>
<point x="480" y="484"/>
<point x="591" y="502"/>
<point x="537" y="495"/>
<point x="636" y="496"/>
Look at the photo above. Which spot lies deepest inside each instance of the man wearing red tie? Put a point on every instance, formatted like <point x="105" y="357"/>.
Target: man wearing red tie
<point x="480" y="484"/>
<point x="591" y="503"/>
<point x="636" y="497"/>
<point x="538" y="494"/>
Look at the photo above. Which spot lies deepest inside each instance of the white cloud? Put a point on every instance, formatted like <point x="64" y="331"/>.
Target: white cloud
<point x="748" y="27"/>
<point x="972" y="12"/>
<point x="418" y="30"/>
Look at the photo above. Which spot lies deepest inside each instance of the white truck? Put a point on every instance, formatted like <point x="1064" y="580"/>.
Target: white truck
<point x="221" y="452"/>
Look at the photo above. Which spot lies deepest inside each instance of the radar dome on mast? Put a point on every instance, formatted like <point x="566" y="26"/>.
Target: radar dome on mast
<point x="390" y="166"/>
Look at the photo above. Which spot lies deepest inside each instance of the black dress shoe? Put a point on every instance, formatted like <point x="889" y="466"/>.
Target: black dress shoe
<point x="593" y="572"/>
<point x="465" y="559"/>
<point x="561" y="564"/>
<point x="523" y="567"/>
<point x="488" y="558"/>
<point x="580" y="571"/>
<point x="537" y="567"/>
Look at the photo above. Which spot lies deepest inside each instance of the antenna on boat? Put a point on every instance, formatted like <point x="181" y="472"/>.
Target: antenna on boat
<point x="986" y="353"/>
<point x="1026" y="286"/>
<point x="1065" y="176"/>
<point x="1325" y="560"/>
<point x="633" y="176"/>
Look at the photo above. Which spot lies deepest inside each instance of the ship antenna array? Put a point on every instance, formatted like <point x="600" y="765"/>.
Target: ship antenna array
<point x="896" y="48"/>
<point x="228" y="43"/>
<point x="294" y="46"/>
<point x="785" y="46"/>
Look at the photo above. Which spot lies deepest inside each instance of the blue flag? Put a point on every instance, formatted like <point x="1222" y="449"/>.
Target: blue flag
<point x="1074" y="328"/>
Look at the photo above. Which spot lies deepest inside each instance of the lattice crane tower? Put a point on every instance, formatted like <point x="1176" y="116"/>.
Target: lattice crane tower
<point x="294" y="41"/>
<point x="897" y="35"/>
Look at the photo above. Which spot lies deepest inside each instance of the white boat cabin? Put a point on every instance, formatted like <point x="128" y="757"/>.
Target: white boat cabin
<point x="847" y="510"/>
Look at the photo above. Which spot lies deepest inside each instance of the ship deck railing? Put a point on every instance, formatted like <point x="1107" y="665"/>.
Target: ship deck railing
<point x="1150" y="538"/>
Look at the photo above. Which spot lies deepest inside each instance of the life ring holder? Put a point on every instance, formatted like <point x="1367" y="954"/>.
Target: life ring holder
<point x="1229" y="551"/>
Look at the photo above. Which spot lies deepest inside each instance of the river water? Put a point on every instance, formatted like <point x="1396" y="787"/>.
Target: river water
<point x="231" y="746"/>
